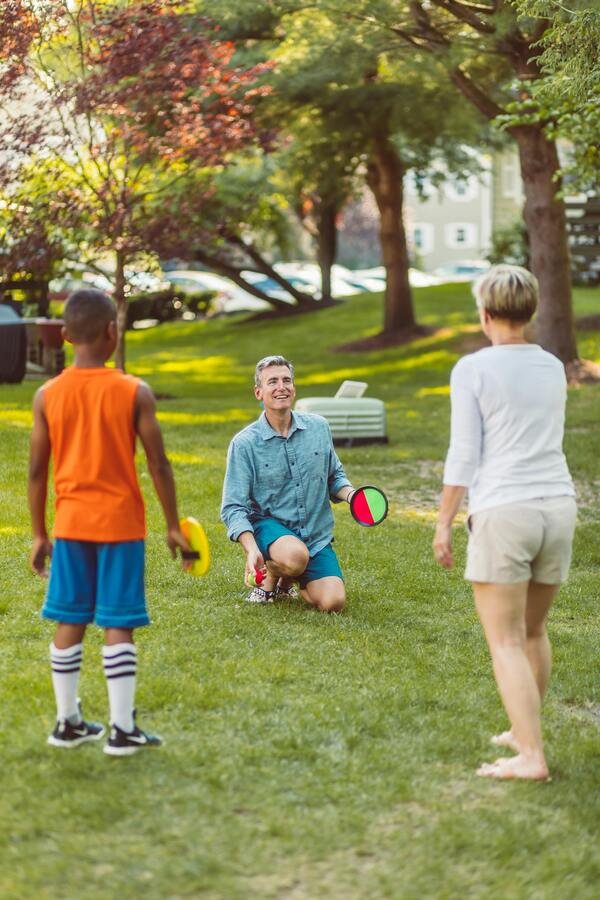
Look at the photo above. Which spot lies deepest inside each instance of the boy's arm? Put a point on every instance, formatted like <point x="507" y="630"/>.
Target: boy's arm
<point x="39" y="459"/>
<point x="148" y="429"/>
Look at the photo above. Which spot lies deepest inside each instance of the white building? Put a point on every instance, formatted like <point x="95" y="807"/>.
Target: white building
<point x="453" y="223"/>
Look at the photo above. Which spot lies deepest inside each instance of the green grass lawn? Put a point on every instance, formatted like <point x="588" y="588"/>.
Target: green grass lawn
<point x="306" y="756"/>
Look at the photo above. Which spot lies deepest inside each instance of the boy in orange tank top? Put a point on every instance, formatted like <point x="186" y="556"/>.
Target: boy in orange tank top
<point x="88" y="419"/>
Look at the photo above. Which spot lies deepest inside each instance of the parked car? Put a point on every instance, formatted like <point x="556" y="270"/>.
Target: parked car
<point x="464" y="270"/>
<point x="60" y="288"/>
<point x="230" y="297"/>
<point x="274" y="289"/>
<point x="144" y="282"/>
<point x="310" y="273"/>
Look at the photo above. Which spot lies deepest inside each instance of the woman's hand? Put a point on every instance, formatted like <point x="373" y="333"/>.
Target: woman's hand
<point x="442" y="545"/>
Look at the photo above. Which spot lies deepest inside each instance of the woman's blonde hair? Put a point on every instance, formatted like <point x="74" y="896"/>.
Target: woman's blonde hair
<point x="507" y="292"/>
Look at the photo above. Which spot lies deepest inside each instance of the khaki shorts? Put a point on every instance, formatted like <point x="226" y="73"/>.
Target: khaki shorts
<point x="528" y="541"/>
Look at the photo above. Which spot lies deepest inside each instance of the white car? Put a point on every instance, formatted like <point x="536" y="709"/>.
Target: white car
<point x="464" y="270"/>
<point x="375" y="279"/>
<point x="144" y="282"/>
<point x="230" y="297"/>
<point x="310" y="273"/>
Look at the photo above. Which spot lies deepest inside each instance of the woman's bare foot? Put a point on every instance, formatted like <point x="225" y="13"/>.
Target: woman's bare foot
<point x="518" y="766"/>
<point x="506" y="739"/>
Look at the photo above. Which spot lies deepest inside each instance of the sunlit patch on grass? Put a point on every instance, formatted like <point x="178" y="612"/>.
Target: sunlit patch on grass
<point x="212" y="369"/>
<point x="190" y="459"/>
<point x="8" y="530"/>
<point x="18" y="418"/>
<point x="442" y="359"/>
<point x="181" y="418"/>
<point x="442" y="391"/>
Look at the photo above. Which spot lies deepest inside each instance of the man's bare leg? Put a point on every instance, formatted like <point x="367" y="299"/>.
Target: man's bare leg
<point x="327" y="594"/>
<point x="539" y="653"/>
<point x="501" y="609"/>
<point x="288" y="558"/>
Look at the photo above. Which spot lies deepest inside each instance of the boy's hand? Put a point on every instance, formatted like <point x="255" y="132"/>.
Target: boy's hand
<point x="176" y="540"/>
<point x="40" y="552"/>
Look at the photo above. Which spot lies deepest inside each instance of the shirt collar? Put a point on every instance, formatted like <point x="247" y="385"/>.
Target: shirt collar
<point x="266" y="432"/>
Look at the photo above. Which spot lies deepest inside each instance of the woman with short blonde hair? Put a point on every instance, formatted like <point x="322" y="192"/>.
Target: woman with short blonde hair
<point x="508" y="411"/>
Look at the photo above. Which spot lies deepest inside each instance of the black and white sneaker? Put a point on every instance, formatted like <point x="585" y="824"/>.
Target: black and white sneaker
<point x="67" y="735"/>
<point x="125" y="743"/>
<point x="259" y="595"/>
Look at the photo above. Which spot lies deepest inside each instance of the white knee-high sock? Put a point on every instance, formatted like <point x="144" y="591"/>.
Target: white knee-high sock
<point x="66" y="666"/>
<point x="120" y="662"/>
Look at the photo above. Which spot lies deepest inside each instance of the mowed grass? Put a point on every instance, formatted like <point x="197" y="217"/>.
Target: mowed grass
<point x="306" y="756"/>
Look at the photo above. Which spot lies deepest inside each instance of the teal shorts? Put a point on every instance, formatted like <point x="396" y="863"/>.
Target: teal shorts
<point x="323" y="564"/>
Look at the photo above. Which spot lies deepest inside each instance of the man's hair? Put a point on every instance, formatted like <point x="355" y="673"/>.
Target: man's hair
<point x="87" y="313"/>
<point x="268" y="361"/>
<point x="507" y="292"/>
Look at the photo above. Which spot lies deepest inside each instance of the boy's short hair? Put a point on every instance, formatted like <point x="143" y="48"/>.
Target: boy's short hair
<point x="87" y="313"/>
<point x="268" y="361"/>
<point x="507" y="292"/>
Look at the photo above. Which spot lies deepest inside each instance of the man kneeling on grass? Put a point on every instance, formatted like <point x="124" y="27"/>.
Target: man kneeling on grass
<point x="282" y="471"/>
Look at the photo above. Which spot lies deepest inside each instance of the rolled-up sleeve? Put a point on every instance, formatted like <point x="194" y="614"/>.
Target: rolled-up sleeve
<point x="466" y="429"/>
<point x="237" y="488"/>
<point x="337" y="478"/>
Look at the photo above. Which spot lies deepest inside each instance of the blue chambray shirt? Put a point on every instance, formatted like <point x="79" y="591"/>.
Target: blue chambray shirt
<point x="290" y="479"/>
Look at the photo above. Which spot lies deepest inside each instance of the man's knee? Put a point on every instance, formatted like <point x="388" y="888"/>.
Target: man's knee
<point x="331" y="602"/>
<point x="291" y="559"/>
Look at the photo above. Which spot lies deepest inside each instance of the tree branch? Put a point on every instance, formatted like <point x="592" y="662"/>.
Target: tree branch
<point x="486" y="106"/>
<point x="465" y="14"/>
<point x="264" y="267"/>
<point x="234" y="274"/>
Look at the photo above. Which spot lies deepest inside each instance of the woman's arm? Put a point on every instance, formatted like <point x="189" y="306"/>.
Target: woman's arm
<point x="462" y="460"/>
<point x="452" y="497"/>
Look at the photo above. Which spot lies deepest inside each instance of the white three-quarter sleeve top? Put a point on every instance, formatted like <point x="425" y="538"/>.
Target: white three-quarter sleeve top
<point x="508" y="416"/>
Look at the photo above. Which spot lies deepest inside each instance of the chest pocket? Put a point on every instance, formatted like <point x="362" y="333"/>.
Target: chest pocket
<point x="273" y="473"/>
<point x="317" y="464"/>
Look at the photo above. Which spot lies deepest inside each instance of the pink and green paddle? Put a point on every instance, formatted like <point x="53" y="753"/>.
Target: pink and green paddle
<point x="368" y="506"/>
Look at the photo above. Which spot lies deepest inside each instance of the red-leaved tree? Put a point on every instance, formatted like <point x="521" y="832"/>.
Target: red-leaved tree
<point x="110" y="112"/>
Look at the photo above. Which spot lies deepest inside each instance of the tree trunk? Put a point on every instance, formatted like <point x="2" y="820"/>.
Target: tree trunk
<point x="326" y="246"/>
<point x="384" y="177"/>
<point x="119" y="298"/>
<point x="546" y="223"/>
<point x="43" y="300"/>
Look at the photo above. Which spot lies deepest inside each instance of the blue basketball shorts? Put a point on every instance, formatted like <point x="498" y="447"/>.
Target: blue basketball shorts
<point x="323" y="564"/>
<point x="97" y="582"/>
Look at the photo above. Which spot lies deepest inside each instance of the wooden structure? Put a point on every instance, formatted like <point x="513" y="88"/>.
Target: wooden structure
<point x="583" y="217"/>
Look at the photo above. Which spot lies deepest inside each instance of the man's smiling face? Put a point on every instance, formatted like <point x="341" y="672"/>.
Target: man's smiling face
<point x="276" y="390"/>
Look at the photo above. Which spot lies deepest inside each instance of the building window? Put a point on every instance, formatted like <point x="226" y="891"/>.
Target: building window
<point x="422" y="235"/>
<point x="461" y="235"/>
<point x="462" y="191"/>
<point x="511" y="180"/>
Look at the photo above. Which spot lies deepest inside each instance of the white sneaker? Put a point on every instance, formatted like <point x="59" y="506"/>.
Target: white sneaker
<point x="290" y="593"/>
<point x="259" y="595"/>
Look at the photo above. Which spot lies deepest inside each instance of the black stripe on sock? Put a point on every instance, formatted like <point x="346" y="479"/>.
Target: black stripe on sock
<point x="66" y="671"/>
<point x="123" y="662"/>
<point x="124" y="657"/>
<point x="120" y="675"/>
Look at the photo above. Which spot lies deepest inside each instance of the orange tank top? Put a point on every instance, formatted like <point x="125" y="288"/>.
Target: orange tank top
<point x="90" y="415"/>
